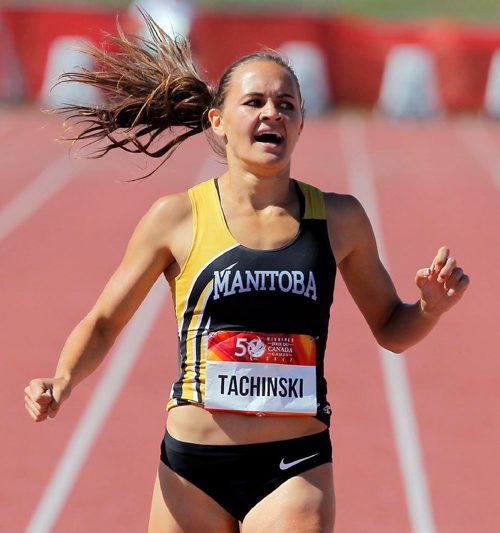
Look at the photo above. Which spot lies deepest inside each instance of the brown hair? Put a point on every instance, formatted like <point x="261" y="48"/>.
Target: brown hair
<point x="150" y="86"/>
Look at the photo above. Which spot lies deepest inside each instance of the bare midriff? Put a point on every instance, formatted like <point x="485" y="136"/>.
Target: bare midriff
<point x="192" y="423"/>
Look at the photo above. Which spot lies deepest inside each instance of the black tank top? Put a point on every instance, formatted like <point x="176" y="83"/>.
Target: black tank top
<point x="234" y="301"/>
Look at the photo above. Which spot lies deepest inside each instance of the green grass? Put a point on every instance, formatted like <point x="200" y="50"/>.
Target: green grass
<point x="474" y="10"/>
<point x="485" y="10"/>
<point x="480" y="10"/>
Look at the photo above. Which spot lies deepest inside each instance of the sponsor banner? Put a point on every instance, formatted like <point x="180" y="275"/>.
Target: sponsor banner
<point x="249" y="346"/>
<point x="260" y="388"/>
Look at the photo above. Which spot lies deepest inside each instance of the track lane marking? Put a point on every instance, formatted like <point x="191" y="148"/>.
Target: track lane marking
<point x="39" y="191"/>
<point x="103" y="398"/>
<point x="361" y="179"/>
<point x="107" y="391"/>
<point x="484" y="150"/>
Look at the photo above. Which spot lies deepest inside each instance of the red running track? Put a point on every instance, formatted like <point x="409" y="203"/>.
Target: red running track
<point x="433" y="183"/>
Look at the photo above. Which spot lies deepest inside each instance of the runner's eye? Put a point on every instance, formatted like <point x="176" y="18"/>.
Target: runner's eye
<point x="253" y="103"/>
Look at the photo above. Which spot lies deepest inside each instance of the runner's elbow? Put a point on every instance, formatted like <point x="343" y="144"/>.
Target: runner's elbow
<point x="390" y="344"/>
<point x="394" y="348"/>
<point x="106" y="329"/>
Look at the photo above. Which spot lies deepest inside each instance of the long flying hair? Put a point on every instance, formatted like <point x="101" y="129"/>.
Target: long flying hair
<point x="150" y="87"/>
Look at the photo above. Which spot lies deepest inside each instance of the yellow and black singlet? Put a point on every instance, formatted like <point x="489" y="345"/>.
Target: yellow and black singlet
<point x="253" y="324"/>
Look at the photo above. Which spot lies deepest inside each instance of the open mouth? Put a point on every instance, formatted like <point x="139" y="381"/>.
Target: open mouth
<point x="269" y="138"/>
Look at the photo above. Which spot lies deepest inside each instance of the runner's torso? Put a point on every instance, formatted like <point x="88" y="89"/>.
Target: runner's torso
<point x="253" y="324"/>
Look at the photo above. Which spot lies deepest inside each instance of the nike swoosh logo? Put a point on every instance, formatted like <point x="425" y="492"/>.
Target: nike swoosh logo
<point x="286" y="466"/>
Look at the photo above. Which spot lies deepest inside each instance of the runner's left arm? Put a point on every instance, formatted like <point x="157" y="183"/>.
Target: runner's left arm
<point x="396" y="325"/>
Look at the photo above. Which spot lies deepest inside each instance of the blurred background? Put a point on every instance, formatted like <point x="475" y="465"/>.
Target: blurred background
<point x="403" y="105"/>
<point x="413" y="58"/>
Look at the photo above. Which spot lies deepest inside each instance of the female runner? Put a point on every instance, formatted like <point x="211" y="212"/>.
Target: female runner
<point x="251" y="259"/>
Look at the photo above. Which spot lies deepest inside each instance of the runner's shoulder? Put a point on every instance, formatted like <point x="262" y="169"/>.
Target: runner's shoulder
<point x="344" y="206"/>
<point x="170" y="211"/>
<point x="167" y="217"/>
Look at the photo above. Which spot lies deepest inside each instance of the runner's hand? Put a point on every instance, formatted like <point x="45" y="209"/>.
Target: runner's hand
<point x="43" y="397"/>
<point x="442" y="285"/>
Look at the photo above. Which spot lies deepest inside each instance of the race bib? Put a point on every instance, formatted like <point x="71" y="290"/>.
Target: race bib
<point x="261" y="373"/>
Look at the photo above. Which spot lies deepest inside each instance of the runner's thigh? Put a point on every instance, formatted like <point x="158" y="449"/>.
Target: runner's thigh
<point x="178" y="506"/>
<point x="304" y="503"/>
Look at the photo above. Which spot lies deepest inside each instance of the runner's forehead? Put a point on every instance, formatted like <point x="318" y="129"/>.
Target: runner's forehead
<point x="263" y="77"/>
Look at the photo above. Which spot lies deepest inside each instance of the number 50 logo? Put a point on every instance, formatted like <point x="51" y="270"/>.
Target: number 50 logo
<point x="255" y="348"/>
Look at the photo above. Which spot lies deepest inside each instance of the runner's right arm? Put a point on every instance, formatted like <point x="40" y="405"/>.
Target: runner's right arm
<point x="149" y="254"/>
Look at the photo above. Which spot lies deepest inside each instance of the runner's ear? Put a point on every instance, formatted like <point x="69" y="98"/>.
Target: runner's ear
<point x="217" y="122"/>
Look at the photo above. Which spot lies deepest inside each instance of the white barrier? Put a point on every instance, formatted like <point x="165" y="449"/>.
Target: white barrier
<point x="175" y="17"/>
<point x="65" y="56"/>
<point x="492" y="94"/>
<point x="409" y="85"/>
<point x="308" y="63"/>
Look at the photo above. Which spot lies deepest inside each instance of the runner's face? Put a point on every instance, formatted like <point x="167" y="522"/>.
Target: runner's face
<point x="261" y="118"/>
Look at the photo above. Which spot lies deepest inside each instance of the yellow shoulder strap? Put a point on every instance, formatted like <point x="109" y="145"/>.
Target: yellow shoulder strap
<point x="210" y="228"/>
<point x="314" y="201"/>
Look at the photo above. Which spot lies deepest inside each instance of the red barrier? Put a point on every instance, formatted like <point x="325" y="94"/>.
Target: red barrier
<point x="463" y="56"/>
<point x="34" y="29"/>
<point x="355" y="48"/>
<point x="356" y="52"/>
<point x="219" y="38"/>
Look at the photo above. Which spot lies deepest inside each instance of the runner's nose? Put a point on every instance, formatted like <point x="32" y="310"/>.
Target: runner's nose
<point x="270" y="112"/>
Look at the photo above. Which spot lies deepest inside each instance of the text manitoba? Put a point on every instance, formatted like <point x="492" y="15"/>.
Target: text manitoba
<point x="227" y="282"/>
<point x="261" y="386"/>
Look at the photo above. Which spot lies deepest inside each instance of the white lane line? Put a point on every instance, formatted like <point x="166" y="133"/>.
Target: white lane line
<point x="121" y="361"/>
<point x="108" y="389"/>
<point x="51" y="180"/>
<point x="482" y="148"/>
<point x="397" y="388"/>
